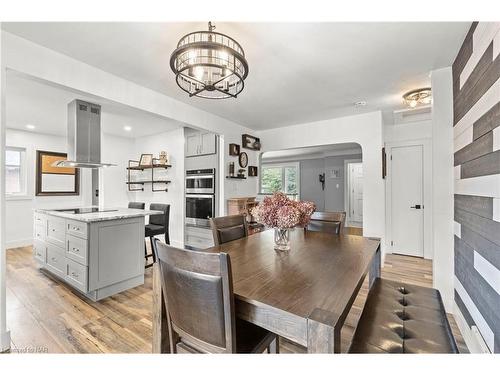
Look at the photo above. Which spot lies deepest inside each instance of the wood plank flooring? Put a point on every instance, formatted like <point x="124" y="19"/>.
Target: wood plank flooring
<point x="44" y="315"/>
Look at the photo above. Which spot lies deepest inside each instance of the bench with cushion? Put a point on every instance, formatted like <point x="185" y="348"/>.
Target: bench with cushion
<point x="403" y="318"/>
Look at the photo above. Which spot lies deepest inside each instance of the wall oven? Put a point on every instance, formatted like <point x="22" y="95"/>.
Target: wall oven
<point x="200" y="181"/>
<point x="199" y="209"/>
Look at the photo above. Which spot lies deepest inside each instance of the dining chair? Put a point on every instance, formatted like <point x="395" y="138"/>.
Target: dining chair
<point x="199" y="300"/>
<point x="137" y="205"/>
<point x="228" y="228"/>
<point x="328" y="222"/>
<point x="158" y="225"/>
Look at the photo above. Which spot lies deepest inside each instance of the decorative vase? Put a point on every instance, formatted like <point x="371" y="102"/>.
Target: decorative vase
<point x="282" y="239"/>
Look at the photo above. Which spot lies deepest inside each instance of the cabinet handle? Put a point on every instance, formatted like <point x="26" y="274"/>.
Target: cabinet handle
<point x="76" y="228"/>
<point x="76" y="250"/>
<point x="53" y="230"/>
<point x="54" y="259"/>
<point x="74" y="274"/>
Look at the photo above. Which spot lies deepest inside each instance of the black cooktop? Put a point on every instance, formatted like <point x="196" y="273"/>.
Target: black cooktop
<point x="78" y="211"/>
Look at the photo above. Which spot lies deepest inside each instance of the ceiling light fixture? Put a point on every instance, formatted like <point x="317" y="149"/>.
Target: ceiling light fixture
<point x="30" y="126"/>
<point x="127" y="128"/>
<point x="417" y="97"/>
<point x="209" y="65"/>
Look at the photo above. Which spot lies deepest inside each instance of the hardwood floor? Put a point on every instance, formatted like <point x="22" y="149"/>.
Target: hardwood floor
<point x="44" y="315"/>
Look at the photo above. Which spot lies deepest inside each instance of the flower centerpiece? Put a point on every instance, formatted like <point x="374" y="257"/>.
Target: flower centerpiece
<point x="282" y="214"/>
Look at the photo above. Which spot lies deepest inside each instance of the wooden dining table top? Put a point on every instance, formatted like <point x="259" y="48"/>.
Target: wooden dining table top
<point x="321" y="270"/>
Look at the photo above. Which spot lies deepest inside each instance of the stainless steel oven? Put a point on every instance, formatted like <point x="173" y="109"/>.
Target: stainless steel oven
<point x="200" y="181"/>
<point x="199" y="209"/>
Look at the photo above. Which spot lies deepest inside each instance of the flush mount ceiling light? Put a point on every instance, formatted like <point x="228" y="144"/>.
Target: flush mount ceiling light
<point x="419" y="96"/>
<point x="209" y="65"/>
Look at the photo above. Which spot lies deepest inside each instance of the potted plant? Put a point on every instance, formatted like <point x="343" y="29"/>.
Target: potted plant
<point x="282" y="213"/>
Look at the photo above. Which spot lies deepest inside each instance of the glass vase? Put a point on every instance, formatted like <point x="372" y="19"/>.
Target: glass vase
<point x="282" y="239"/>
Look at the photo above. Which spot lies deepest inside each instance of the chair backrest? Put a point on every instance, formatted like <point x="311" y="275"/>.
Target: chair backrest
<point x="160" y="219"/>
<point x="138" y="205"/>
<point x="228" y="228"/>
<point x="329" y="222"/>
<point x="198" y="293"/>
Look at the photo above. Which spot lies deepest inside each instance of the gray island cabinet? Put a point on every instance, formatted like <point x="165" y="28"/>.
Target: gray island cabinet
<point x="99" y="254"/>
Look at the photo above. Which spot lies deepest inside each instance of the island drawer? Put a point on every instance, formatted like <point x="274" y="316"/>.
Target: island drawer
<point x="40" y="251"/>
<point x="76" y="275"/>
<point x="40" y="219"/>
<point x="76" y="228"/>
<point x="40" y="232"/>
<point x="76" y="249"/>
<point x="56" y="230"/>
<point x="56" y="260"/>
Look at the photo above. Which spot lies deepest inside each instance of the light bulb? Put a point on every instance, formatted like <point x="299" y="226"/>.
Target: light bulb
<point x="427" y="100"/>
<point x="199" y="72"/>
<point x="412" y="103"/>
<point x="192" y="55"/>
<point x="224" y="57"/>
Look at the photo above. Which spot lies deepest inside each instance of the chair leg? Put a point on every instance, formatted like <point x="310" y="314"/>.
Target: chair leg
<point x="273" y="347"/>
<point x="152" y="248"/>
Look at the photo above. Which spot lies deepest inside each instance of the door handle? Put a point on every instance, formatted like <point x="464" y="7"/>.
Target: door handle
<point x="417" y="207"/>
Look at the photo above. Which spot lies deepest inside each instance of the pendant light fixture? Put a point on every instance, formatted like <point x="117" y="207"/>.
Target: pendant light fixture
<point x="209" y="65"/>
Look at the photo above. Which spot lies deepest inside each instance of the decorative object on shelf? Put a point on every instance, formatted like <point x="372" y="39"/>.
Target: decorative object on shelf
<point x="243" y="160"/>
<point x="134" y="165"/>
<point x="163" y="159"/>
<point x="335" y="173"/>
<point x="282" y="214"/>
<point x="146" y="160"/>
<point x="250" y="142"/>
<point x="252" y="171"/>
<point x="322" y="180"/>
<point x="231" y="169"/>
<point x="63" y="180"/>
<point x="234" y="149"/>
<point x="209" y="65"/>
<point x="419" y="96"/>
<point x="384" y="163"/>
<point x="241" y="173"/>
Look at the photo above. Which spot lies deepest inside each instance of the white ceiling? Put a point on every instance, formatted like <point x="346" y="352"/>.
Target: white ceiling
<point x="299" y="72"/>
<point x="45" y="107"/>
<point x="313" y="152"/>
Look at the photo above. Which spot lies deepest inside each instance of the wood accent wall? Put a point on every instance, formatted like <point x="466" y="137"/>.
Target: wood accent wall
<point x="476" y="110"/>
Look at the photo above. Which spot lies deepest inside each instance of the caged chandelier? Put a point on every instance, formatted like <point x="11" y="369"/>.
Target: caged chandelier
<point x="209" y="65"/>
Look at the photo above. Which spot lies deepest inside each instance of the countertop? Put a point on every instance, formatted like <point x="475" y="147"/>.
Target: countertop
<point x="120" y="213"/>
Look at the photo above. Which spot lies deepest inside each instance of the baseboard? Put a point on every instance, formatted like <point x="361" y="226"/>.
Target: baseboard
<point x="5" y="342"/>
<point x="19" y="243"/>
<point x="465" y="330"/>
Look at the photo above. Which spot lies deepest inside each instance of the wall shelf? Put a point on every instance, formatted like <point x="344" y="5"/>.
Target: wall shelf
<point x="236" y="177"/>
<point x="133" y="165"/>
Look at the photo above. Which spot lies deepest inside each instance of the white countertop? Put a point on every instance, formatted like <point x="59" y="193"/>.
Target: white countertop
<point x="117" y="214"/>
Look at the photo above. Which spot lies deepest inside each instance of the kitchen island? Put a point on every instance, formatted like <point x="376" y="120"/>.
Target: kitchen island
<point x="97" y="253"/>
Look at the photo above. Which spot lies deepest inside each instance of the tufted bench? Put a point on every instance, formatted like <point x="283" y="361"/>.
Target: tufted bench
<point x="403" y="318"/>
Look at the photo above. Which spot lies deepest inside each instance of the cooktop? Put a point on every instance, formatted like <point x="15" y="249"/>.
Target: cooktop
<point x="78" y="211"/>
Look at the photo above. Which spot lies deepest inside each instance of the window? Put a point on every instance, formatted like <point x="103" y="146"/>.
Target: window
<point x="280" y="177"/>
<point x="15" y="171"/>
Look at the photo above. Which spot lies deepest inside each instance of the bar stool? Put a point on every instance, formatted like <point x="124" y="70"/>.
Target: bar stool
<point x="137" y="205"/>
<point x="158" y="224"/>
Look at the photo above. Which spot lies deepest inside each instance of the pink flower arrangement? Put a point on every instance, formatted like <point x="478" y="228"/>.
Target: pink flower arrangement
<point x="278" y="211"/>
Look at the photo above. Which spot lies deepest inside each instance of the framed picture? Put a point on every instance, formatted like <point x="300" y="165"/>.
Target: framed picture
<point x="51" y="180"/>
<point x="146" y="160"/>
<point x="234" y="149"/>
<point x="250" y="142"/>
<point x="252" y="171"/>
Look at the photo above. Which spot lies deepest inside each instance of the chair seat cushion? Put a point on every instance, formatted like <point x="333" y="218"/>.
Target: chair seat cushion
<point x="403" y="318"/>
<point x="251" y="338"/>
<point x="154" y="230"/>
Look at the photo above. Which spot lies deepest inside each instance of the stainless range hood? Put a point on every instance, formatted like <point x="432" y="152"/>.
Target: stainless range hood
<point x="84" y="136"/>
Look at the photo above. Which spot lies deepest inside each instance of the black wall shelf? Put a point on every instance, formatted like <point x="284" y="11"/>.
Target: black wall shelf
<point x="236" y="177"/>
<point x="133" y="165"/>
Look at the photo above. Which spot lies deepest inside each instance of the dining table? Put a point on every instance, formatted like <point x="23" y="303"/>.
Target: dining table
<point x="303" y="294"/>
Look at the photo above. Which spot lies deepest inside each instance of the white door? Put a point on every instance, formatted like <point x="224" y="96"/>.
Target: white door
<point x="407" y="216"/>
<point x="355" y="193"/>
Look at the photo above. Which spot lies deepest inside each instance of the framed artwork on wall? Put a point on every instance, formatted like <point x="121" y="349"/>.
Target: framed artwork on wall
<point x="55" y="181"/>
<point x="234" y="149"/>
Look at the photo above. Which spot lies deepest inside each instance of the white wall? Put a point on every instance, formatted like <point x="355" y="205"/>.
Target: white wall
<point x="364" y="129"/>
<point x="173" y="143"/>
<point x="442" y="175"/>
<point x="19" y="211"/>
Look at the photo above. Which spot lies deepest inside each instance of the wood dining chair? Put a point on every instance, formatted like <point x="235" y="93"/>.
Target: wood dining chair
<point x="198" y="294"/>
<point x="328" y="222"/>
<point x="228" y="228"/>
